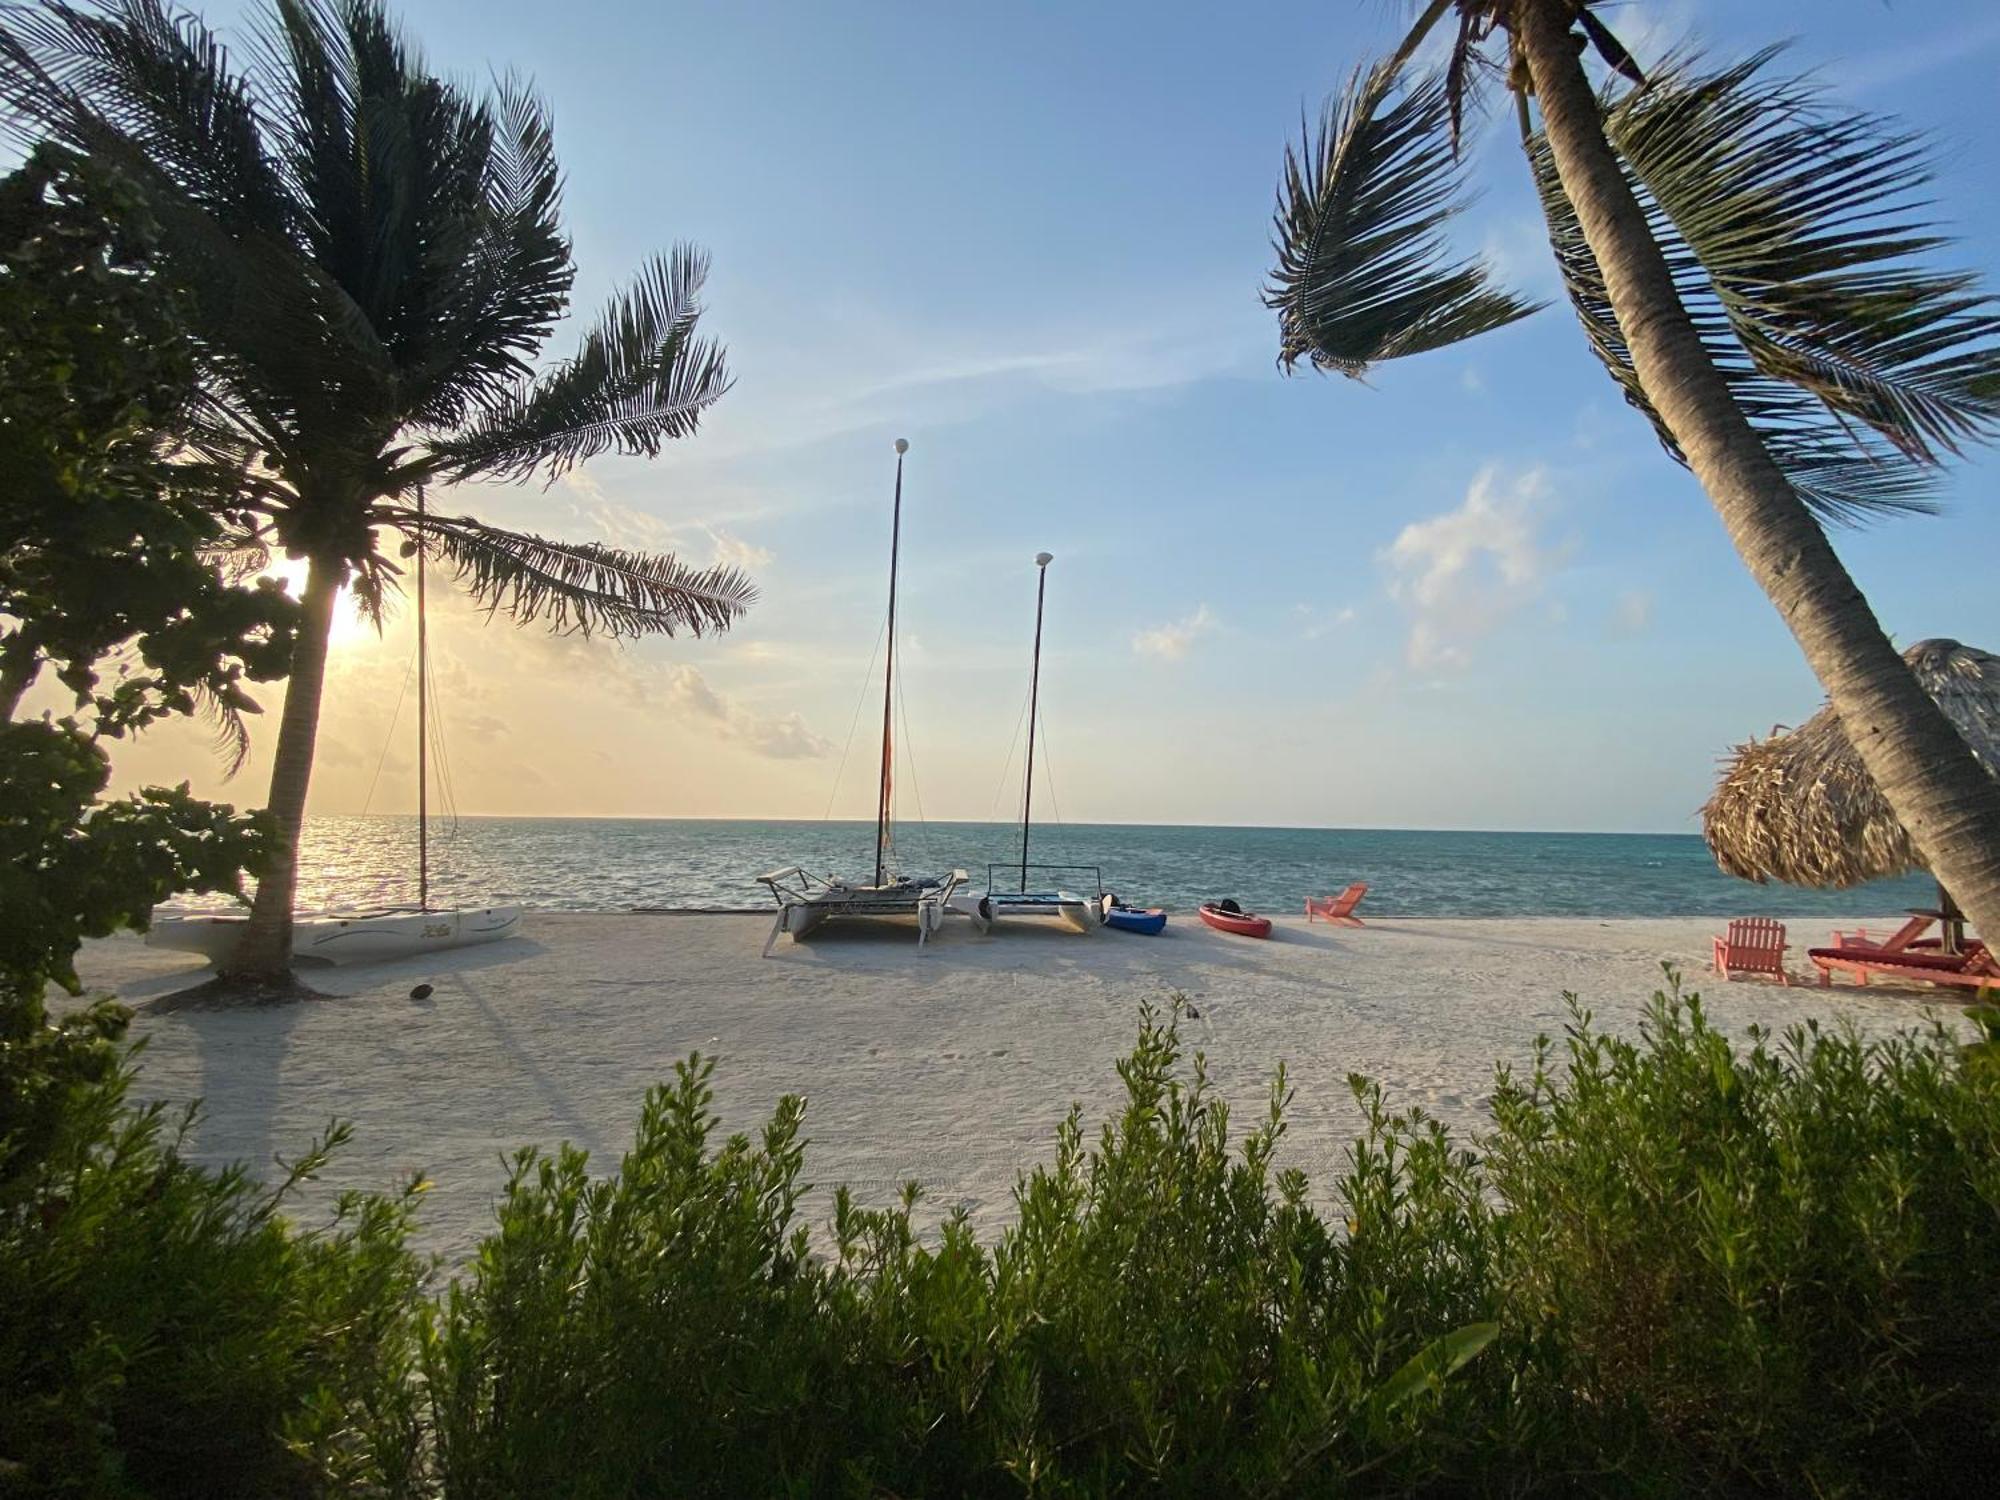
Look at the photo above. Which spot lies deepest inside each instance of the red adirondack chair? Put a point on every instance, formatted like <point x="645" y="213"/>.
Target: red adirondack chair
<point x="1753" y="945"/>
<point x="1338" y="908"/>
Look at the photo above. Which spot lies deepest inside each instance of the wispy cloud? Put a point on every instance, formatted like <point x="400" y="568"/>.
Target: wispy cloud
<point x="1926" y="54"/>
<point x="781" y="737"/>
<point x="1460" y="575"/>
<point x="732" y="551"/>
<point x="1171" y="642"/>
<point x="483" y="726"/>
<point x="1632" y="614"/>
<point x="1315" y="622"/>
<point x="904" y="376"/>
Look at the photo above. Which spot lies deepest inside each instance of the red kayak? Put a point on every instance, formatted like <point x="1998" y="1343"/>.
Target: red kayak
<point x="1229" y="917"/>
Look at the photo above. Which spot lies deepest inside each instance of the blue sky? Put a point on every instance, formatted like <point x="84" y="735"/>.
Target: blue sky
<point x="1030" y="238"/>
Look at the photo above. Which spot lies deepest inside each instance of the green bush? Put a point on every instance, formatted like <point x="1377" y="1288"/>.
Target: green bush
<point x="1672" y="1266"/>
<point x="166" y="1331"/>
<point x="1773" y="1270"/>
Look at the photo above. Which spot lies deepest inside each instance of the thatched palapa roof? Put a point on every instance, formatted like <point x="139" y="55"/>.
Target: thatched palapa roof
<point x="1801" y="808"/>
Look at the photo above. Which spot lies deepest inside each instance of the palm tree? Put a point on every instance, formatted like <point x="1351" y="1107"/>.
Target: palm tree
<point x="1740" y="255"/>
<point x="373" y="259"/>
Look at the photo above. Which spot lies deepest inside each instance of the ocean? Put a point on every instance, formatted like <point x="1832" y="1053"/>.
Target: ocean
<point x="600" y="864"/>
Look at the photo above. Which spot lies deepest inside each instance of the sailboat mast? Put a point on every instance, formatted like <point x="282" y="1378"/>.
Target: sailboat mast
<point x="1042" y="561"/>
<point x="889" y="670"/>
<point x="423" y="728"/>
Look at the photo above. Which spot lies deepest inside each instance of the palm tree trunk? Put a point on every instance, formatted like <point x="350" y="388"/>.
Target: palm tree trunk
<point x="1950" y="806"/>
<point x="265" y="951"/>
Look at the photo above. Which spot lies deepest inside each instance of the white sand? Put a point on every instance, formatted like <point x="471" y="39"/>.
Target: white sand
<point x="950" y="1065"/>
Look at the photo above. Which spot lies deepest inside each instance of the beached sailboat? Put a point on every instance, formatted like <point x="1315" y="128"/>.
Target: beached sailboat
<point x="380" y="933"/>
<point x="807" y="901"/>
<point x="1077" y="910"/>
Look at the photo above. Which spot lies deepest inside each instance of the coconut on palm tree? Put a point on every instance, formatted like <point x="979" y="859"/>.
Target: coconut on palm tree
<point x="373" y="260"/>
<point x="1747" y="263"/>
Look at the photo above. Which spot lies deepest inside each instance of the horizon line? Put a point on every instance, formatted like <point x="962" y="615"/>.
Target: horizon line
<point x="868" y="822"/>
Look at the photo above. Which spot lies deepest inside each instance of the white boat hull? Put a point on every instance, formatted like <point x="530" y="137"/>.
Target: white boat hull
<point x="806" y="901"/>
<point x="347" y="938"/>
<point x="1078" y="913"/>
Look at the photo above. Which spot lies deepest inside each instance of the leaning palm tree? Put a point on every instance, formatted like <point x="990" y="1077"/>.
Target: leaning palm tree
<point x="1746" y="263"/>
<point x="373" y="259"/>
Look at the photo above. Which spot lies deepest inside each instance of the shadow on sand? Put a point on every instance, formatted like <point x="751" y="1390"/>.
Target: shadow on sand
<point x="242" y="1049"/>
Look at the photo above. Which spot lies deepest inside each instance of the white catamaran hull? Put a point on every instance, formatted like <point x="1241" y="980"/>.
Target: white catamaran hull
<point x="1078" y="913"/>
<point x="806" y="901"/>
<point x="347" y="938"/>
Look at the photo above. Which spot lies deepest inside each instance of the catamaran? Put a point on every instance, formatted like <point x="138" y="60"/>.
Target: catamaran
<point x="807" y="901"/>
<point x="379" y="933"/>
<point x="1080" y="911"/>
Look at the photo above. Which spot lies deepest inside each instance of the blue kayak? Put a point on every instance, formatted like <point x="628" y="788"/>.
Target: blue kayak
<point x="1152" y="921"/>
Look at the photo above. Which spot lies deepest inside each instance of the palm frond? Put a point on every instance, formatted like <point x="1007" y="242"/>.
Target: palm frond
<point x="580" y="587"/>
<point x="159" y="80"/>
<point x="435" y="211"/>
<point x="1791" y="234"/>
<point x="1364" y="273"/>
<point x="152" y="97"/>
<point x="229" y="734"/>
<point x="643" y="376"/>
<point x="1608" y="46"/>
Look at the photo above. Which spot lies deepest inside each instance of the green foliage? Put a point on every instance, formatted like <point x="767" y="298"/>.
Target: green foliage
<point x="1167" y="1315"/>
<point x="1775" y="1269"/>
<point x="1673" y="1266"/>
<point x="106" y="536"/>
<point x="167" y="1331"/>
<point x="374" y="259"/>
<point x="72" y="867"/>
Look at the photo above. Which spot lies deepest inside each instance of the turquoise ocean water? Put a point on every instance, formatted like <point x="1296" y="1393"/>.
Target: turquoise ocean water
<point x="591" y="864"/>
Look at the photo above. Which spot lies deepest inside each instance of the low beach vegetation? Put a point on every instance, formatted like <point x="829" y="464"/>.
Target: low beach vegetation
<point x="1673" y="1264"/>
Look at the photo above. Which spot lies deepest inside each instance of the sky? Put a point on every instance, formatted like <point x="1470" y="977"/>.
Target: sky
<point x="1472" y="593"/>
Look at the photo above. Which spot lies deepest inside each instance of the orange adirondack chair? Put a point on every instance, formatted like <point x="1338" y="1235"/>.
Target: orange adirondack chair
<point x="1753" y="945"/>
<point x="1338" y="908"/>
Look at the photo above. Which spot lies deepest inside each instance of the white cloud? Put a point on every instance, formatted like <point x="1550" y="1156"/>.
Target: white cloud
<point x="732" y="551"/>
<point x="1315" y="622"/>
<point x="1632" y="614"/>
<point x="1460" y="575"/>
<point x="781" y="737"/>
<point x="1171" y="642"/>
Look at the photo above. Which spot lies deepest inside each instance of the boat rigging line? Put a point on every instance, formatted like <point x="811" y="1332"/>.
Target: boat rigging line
<point x="390" y="734"/>
<point x="910" y="765"/>
<point x="860" y="698"/>
<point x="1007" y="765"/>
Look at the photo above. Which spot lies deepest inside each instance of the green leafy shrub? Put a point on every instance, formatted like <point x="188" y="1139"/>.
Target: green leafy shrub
<point x="1767" y="1270"/>
<point x="1165" y="1315"/>
<point x="167" y="1332"/>
<point x="1673" y="1266"/>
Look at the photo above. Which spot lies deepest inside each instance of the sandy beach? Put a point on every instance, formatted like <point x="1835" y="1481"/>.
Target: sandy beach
<point x="950" y="1065"/>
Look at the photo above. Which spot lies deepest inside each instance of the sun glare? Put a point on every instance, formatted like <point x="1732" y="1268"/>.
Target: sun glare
<point x="350" y="627"/>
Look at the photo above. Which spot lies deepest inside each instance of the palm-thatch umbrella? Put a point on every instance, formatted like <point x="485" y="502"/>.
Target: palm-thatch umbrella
<point x="1801" y="808"/>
